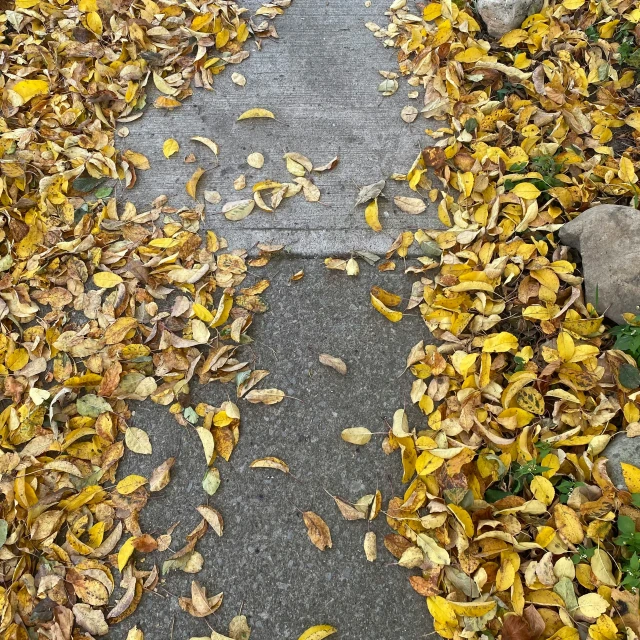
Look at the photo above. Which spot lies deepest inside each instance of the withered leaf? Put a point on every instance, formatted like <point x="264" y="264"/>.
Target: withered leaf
<point x="270" y="463"/>
<point x="370" y="192"/>
<point x="348" y="511"/>
<point x="160" y="476"/>
<point x="213" y="517"/>
<point x="333" y="362"/>
<point x="317" y="530"/>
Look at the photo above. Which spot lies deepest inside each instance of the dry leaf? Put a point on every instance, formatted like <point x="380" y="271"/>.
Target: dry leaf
<point x="192" y="184"/>
<point x="266" y="396"/>
<point x="213" y="517"/>
<point x="333" y="362"/>
<point x="256" y="113"/>
<point x="270" y="463"/>
<point x="370" y="546"/>
<point x="356" y="435"/>
<point x="207" y="142"/>
<point x="137" y="441"/>
<point x="317" y="530"/>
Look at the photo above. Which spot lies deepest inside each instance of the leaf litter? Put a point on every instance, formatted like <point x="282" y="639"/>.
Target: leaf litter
<point x="102" y="303"/>
<point x="509" y="514"/>
<point x="509" y="522"/>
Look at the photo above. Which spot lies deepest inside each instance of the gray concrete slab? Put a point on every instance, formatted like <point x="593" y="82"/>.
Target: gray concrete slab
<point x="264" y="563"/>
<point x="320" y="79"/>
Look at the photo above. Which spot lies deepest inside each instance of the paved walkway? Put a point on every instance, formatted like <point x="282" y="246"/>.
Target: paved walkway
<point x="321" y="81"/>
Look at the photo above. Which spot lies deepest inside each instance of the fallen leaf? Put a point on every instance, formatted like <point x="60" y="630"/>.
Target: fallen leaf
<point x="318" y="532"/>
<point x="137" y="441"/>
<point x="192" y="184"/>
<point x="256" y="113"/>
<point x="170" y="147"/>
<point x="356" y="435"/>
<point x="319" y="632"/>
<point x="270" y="463"/>
<point x="207" y="142"/>
<point x="333" y="362"/>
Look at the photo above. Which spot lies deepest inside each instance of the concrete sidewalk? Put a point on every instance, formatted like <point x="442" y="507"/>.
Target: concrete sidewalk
<point x="264" y="563"/>
<point x="320" y="79"/>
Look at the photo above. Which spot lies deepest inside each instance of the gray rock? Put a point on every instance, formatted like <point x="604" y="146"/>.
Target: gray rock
<point x="608" y="239"/>
<point x="501" y="16"/>
<point x="621" y="449"/>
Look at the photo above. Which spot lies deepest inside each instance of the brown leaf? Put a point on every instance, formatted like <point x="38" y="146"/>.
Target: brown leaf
<point x="317" y="530"/>
<point x="333" y="362"/>
<point x="515" y="627"/>
<point x="348" y="511"/>
<point x="160" y="476"/>
<point x="213" y="517"/>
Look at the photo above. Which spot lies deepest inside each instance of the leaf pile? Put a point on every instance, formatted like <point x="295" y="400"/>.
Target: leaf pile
<point x="510" y="520"/>
<point x="101" y="304"/>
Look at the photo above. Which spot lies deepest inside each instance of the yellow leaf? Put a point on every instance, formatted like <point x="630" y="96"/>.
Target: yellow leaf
<point x="192" y="185"/>
<point x="138" y="160"/>
<point x="592" y="605"/>
<point x="531" y="400"/>
<point x="433" y="550"/>
<point x="470" y="55"/>
<point x="463" y="518"/>
<point x="513" y="38"/>
<point x="521" y="61"/>
<point x="542" y="490"/>
<point x="604" y="629"/>
<point x="202" y="313"/>
<point x="633" y="120"/>
<point x="256" y="113"/>
<point x="473" y="609"/>
<point x="87" y="5"/>
<point x="28" y="89"/>
<point x="163" y="86"/>
<point x="442" y="611"/>
<point x="270" y="463"/>
<point x="526" y="190"/>
<point x="445" y="29"/>
<point x="573" y="4"/>
<point x="94" y="23"/>
<point x="378" y="305"/>
<point x="427" y="463"/>
<point x="631" y="477"/>
<point x="17" y="359"/>
<point x="356" y="435"/>
<point x="537" y="312"/>
<point x="319" y="632"/>
<point x="506" y="576"/>
<point x="371" y="215"/>
<point x="106" y="279"/>
<point x="466" y="181"/>
<point x="607" y="30"/>
<point x="566" y="633"/>
<point x="208" y="444"/>
<point x="207" y="143"/>
<point x="170" y="147"/>
<point x="568" y="523"/>
<point x="566" y="346"/>
<point x="500" y="343"/>
<point x="255" y="160"/>
<point x="130" y="484"/>
<point x="126" y="550"/>
<point x="627" y="171"/>
<point x="432" y="11"/>
<point x="222" y="313"/>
